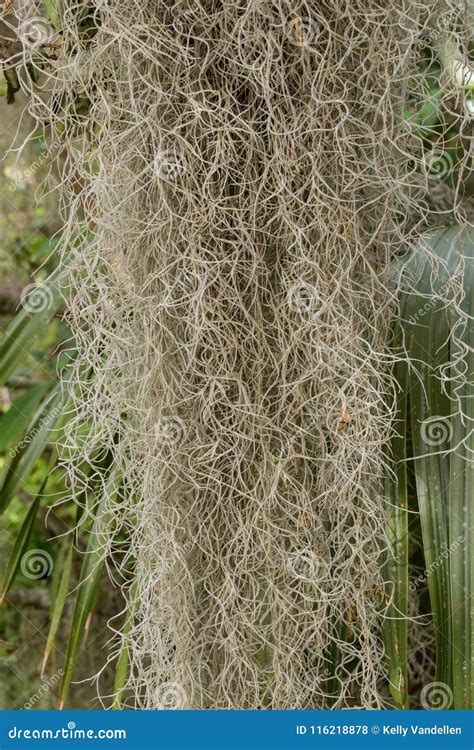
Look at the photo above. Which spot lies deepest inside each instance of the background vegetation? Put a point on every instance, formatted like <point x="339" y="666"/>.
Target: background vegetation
<point x="29" y="221"/>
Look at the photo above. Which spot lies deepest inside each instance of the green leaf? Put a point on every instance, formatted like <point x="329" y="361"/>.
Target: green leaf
<point x="16" y="420"/>
<point x="30" y="448"/>
<point x="332" y="683"/>
<point x="13" y="84"/>
<point x="3" y="84"/>
<point x="33" y="74"/>
<point x="16" y="342"/>
<point x="439" y="342"/>
<point x="91" y="574"/>
<point x="428" y="342"/>
<point x="53" y="10"/>
<point x="20" y="545"/>
<point x="59" y="594"/>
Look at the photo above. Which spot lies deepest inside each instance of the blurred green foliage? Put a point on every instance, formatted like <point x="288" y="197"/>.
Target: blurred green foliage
<point x="29" y="221"/>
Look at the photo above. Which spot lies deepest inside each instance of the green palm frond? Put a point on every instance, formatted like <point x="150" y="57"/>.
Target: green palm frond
<point x="434" y="343"/>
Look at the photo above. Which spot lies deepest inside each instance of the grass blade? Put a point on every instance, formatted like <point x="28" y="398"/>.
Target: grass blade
<point x="440" y="347"/>
<point x="27" y="325"/>
<point x="21" y="464"/>
<point x="15" y="421"/>
<point x="89" y="581"/>
<point x="58" y="599"/>
<point x="20" y="545"/>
